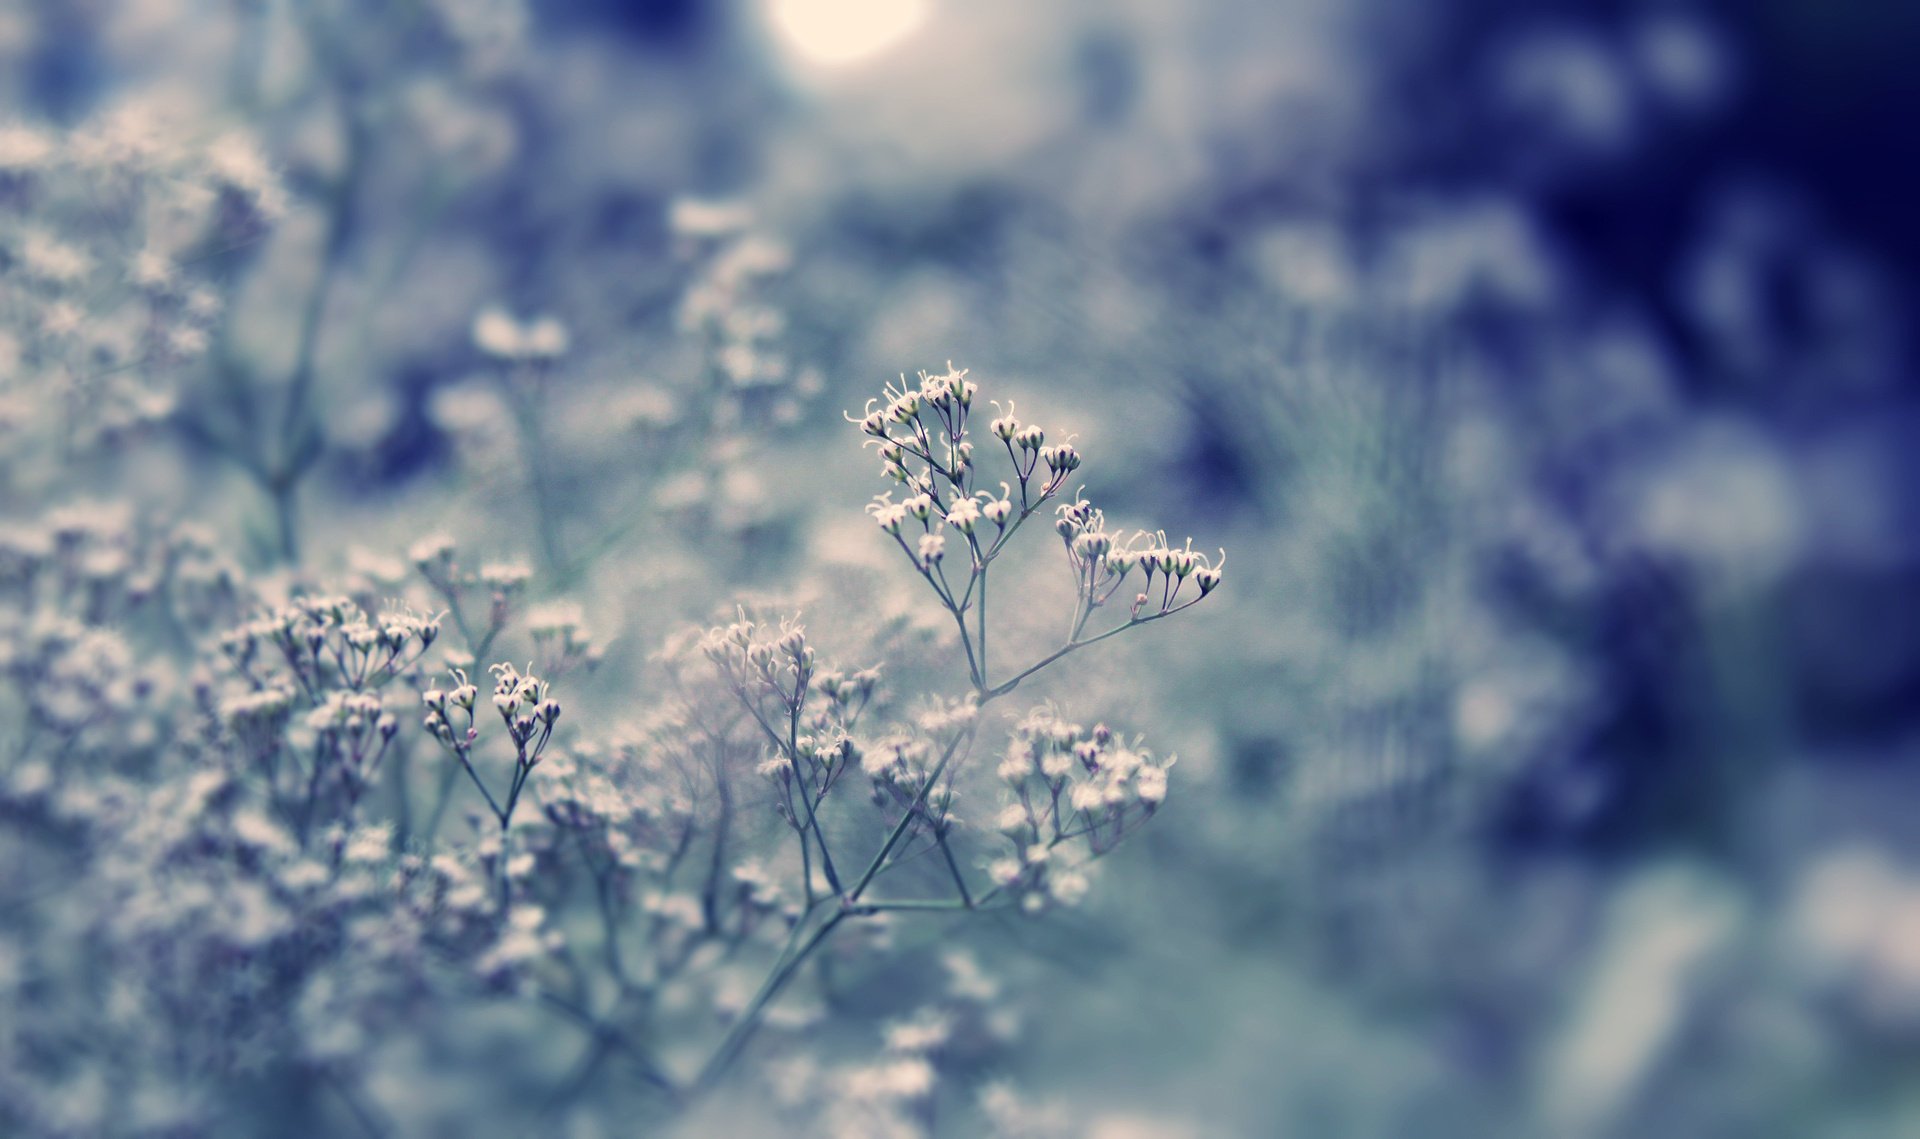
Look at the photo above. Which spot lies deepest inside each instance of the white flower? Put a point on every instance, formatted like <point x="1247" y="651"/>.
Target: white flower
<point x="696" y="217"/>
<point x="1016" y="766"/>
<point x="545" y="338"/>
<point x="505" y="575"/>
<point x="964" y="515"/>
<point x="906" y="1078"/>
<point x="22" y="148"/>
<point x="497" y="333"/>
<point x="1086" y="797"/>
<point x="1068" y="887"/>
<point x="1056" y="764"/>
<point x="921" y="1034"/>
<point x="45" y="257"/>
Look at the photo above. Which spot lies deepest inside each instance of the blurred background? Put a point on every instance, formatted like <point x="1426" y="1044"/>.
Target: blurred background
<point x="1549" y="759"/>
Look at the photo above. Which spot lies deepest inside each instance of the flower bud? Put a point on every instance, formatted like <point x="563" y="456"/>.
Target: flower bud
<point x="1093" y="545"/>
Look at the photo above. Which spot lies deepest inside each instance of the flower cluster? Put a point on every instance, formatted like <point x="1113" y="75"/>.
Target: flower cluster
<point x="560" y="637"/>
<point x="353" y="731"/>
<point x="889" y="1090"/>
<point x="1102" y="561"/>
<point x="108" y="230"/>
<point x="526" y="706"/>
<point x="1068" y="783"/>
<point x="922" y="434"/>
<point x="725" y="305"/>
<point x="329" y="644"/>
<point x="652" y="891"/>
<point x="88" y="592"/>
<point x="905" y="768"/>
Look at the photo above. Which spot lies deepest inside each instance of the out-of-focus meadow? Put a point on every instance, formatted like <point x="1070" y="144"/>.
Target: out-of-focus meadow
<point x="1547" y="760"/>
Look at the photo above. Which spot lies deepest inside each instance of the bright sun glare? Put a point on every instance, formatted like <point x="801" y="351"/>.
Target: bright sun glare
<point x="833" y="33"/>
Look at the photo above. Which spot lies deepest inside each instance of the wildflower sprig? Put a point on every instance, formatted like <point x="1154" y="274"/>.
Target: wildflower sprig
<point x="352" y="731"/>
<point x="922" y="434"/>
<point x="526" y="706"/>
<point x="1076" y="792"/>
<point x="775" y="677"/>
<point x="330" y="644"/>
<point x="327" y="655"/>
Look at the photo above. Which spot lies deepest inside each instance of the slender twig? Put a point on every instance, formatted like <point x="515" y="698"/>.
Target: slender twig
<point x="750" y="1017"/>
<point x="959" y="881"/>
<point x="907" y="817"/>
<point x="1074" y="645"/>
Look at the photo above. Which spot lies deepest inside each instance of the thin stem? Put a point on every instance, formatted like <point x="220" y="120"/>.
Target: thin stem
<point x="790" y="748"/>
<point x="959" y="881"/>
<point x="530" y="421"/>
<point x="475" y="776"/>
<point x="907" y="817"/>
<point x="751" y="1016"/>
<point x="1073" y="645"/>
<point x="980" y="573"/>
<point x="286" y="524"/>
<point x="362" y="1112"/>
<point x="650" y="1068"/>
<point x="806" y="854"/>
<point x="441" y="799"/>
<point x="806" y="795"/>
<point x="609" y="923"/>
<point x="925" y="905"/>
